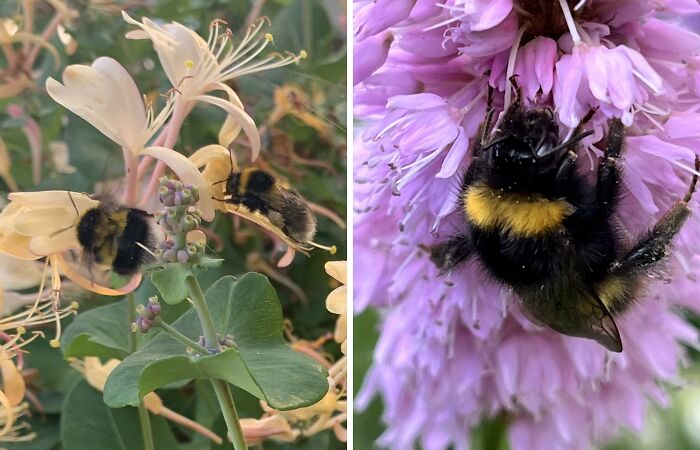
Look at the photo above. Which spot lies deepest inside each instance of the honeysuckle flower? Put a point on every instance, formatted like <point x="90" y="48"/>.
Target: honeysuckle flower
<point x="20" y="72"/>
<point x="275" y="427"/>
<point x="195" y="66"/>
<point x="96" y="373"/>
<point x="337" y="301"/>
<point x="457" y="349"/>
<point x="12" y="407"/>
<point x="105" y="95"/>
<point x="6" y="166"/>
<point x="289" y="99"/>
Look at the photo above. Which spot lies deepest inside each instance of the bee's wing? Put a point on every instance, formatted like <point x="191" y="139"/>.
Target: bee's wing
<point x="289" y="205"/>
<point x="581" y="313"/>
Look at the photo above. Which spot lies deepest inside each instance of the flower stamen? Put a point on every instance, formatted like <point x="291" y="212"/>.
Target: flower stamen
<point x="570" y="23"/>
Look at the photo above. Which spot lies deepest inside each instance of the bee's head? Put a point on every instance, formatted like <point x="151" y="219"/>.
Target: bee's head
<point x="525" y="146"/>
<point x="531" y="134"/>
<point x="232" y="186"/>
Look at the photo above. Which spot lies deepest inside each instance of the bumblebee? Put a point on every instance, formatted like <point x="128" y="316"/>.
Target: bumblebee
<point x="538" y="227"/>
<point x="258" y="191"/>
<point x="115" y="235"/>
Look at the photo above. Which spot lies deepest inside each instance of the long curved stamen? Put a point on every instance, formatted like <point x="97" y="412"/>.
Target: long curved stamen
<point x="570" y="23"/>
<point x="266" y="65"/>
<point x="332" y="249"/>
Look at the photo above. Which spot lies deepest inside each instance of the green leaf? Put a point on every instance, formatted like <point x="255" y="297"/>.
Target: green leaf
<point x="262" y="364"/>
<point x="88" y="424"/>
<point x="170" y="282"/>
<point x="102" y="332"/>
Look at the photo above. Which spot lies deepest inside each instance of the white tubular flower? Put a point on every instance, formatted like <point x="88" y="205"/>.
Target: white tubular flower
<point x="195" y="66"/>
<point x="106" y="96"/>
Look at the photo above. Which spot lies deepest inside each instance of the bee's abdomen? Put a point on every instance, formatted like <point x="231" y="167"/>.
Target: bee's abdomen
<point x="130" y="255"/>
<point x="523" y="261"/>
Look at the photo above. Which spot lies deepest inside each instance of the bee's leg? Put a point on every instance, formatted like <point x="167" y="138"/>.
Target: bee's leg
<point x="518" y="100"/>
<point x="652" y="247"/>
<point x="451" y="253"/>
<point x="485" y="127"/>
<point x="567" y="163"/>
<point x="608" y="173"/>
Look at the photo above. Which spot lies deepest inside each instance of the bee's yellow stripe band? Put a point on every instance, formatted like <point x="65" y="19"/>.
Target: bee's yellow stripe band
<point x="521" y="215"/>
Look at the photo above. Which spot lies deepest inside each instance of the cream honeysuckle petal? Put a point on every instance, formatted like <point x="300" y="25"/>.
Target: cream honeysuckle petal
<point x="58" y="243"/>
<point x="178" y="47"/>
<point x="188" y="173"/>
<point x="11" y="242"/>
<point x="28" y="223"/>
<point x="18" y="274"/>
<point x="240" y="116"/>
<point x="216" y="161"/>
<point x="194" y="65"/>
<point x="336" y="302"/>
<point x="337" y="270"/>
<point x="53" y="198"/>
<point x="45" y="221"/>
<point x="105" y="95"/>
<point x="13" y="384"/>
<point x="8" y="413"/>
<point x="231" y="128"/>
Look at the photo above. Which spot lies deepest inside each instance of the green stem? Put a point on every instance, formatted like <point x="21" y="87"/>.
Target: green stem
<point x="211" y="340"/>
<point x="131" y="307"/>
<point x="228" y="408"/>
<point x="187" y="342"/>
<point x="144" y="418"/>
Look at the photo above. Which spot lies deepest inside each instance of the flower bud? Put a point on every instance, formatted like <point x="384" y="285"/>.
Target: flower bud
<point x="183" y="256"/>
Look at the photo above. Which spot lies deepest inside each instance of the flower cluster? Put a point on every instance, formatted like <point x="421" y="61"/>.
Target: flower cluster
<point x="147" y="314"/>
<point x="457" y="348"/>
<point x="179" y="218"/>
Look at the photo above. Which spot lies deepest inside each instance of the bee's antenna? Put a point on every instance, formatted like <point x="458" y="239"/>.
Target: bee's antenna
<point x="77" y="215"/>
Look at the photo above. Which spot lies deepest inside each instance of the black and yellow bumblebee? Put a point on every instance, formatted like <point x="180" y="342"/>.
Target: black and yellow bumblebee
<point x="115" y="235"/>
<point x="259" y="191"/>
<point x="535" y="225"/>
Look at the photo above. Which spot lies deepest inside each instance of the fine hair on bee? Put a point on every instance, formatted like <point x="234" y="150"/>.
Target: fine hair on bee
<point x="537" y="226"/>
<point x="258" y="191"/>
<point x="115" y="235"/>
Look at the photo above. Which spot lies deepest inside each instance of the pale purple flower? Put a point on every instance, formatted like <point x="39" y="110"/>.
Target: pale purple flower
<point x="456" y="349"/>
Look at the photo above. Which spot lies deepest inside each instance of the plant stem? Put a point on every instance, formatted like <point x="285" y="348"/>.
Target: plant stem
<point x="211" y="340"/>
<point x="181" y="337"/>
<point x="228" y="408"/>
<point x="144" y="418"/>
<point x="131" y="306"/>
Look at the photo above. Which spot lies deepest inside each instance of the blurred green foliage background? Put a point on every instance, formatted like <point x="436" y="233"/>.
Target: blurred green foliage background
<point x="317" y="26"/>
